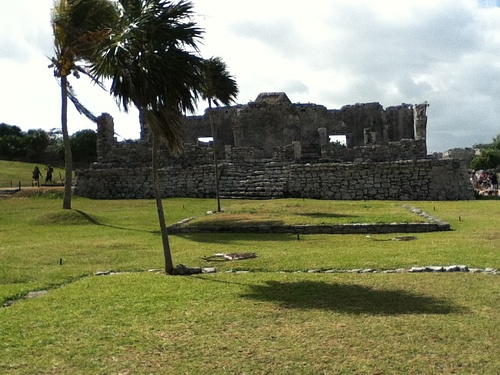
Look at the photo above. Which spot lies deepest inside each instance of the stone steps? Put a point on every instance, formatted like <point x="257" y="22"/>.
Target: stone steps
<point x="249" y="184"/>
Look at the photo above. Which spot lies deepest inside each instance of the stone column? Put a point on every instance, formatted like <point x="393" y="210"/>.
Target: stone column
<point x="237" y="132"/>
<point x="146" y="133"/>
<point x="105" y="136"/>
<point x="420" y="123"/>
<point x="228" y="151"/>
<point x="323" y="137"/>
<point x="324" y="140"/>
<point x="370" y="136"/>
<point x="297" y="150"/>
<point x="348" y="140"/>
<point x="420" y="120"/>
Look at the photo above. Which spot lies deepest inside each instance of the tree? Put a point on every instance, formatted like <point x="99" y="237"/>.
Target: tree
<point x="11" y="142"/>
<point x="218" y="85"/>
<point x="18" y="145"/>
<point x="489" y="157"/>
<point x="150" y="67"/>
<point x="78" y="26"/>
<point x="494" y="144"/>
<point x="6" y="129"/>
<point x="55" y="149"/>
<point x="36" y="142"/>
<point x="84" y="146"/>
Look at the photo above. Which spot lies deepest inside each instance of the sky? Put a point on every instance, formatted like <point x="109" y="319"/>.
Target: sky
<point x="326" y="52"/>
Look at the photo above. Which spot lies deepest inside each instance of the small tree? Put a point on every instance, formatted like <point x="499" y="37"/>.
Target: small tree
<point x="36" y="142"/>
<point x="11" y="142"/>
<point x="218" y="86"/>
<point x="84" y="146"/>
<point x="489" y="156"/>
<point x="153" y="64"/>
<point x="78" y="26"/>
<point x="6" y="129"/>
<point x="489" y="159"/>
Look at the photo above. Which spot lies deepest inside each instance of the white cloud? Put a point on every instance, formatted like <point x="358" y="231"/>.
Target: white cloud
<point x="328" y="52"/>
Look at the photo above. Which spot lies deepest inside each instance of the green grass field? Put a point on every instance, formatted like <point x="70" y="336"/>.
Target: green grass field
<point x="274" y="319"/>
<point x="13" y="173"/>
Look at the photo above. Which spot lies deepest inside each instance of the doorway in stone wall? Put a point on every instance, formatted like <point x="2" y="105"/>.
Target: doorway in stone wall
<point x="205" y="141"/>
<point x="338" y="139"/>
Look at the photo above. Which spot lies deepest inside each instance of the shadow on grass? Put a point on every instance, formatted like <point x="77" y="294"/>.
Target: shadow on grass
<point x="94" y="221"/>
<point x="348" y="298"/>
<point x="488" y="197"/>
<point x="235" y="222"/>
<point x="227" y="238"/>
<point x="325" y="215"/>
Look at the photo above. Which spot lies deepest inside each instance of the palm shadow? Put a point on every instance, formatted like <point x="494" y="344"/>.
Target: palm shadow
<point x="231" y="238"/>
<point x="94" y="221"/>
<point x="223" y="222"/>
<point x="325" y="215"/>
<point x="349" y="299"/>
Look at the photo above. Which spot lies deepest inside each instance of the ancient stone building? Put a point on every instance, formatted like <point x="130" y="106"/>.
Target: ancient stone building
<point x="272" y="148"/>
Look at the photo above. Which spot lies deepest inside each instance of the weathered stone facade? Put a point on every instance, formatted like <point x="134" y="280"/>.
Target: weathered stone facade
<point x="272" y="148"/>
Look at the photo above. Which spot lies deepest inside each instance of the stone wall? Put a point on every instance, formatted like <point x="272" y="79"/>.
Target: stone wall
<point x="466" y="154"/>
<point x="273" y="121"/>
<point x="272" y="148"/>
<point x="401" y="180"/>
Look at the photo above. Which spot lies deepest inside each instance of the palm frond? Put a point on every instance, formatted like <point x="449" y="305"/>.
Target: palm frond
<point x="218" y="84"/>
<point x="148" y="61"/>
<point x="88" y="73"/>
<point x="79" y="26"/>
<point x="79" y="106"/>
<point x="167" y="123"/>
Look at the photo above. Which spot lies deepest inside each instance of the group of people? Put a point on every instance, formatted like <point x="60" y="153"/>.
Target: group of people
<point x="36" y="174"/>
<point x="485" y="181"/>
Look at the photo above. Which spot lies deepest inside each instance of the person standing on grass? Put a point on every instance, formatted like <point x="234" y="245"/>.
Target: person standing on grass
<point x="494" y="181"/>
<point x="48" y="175"/>
<point x="36" y="174"/>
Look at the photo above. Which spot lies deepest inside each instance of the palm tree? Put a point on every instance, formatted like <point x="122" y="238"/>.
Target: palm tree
<point x="218" y="85"/>
<point x="77" y="26"/>
<point x="150" y="67"/>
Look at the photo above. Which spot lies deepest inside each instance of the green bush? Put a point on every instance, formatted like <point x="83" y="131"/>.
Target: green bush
<point x="489" y="159"/>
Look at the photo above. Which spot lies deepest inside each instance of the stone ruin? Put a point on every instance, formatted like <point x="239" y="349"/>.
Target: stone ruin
<point x="273" y="148"/>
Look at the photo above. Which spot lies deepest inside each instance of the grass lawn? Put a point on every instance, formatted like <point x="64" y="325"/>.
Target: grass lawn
<point x="276" y="319"/>
<point x="308" y="211"/>
<point x="13" y="173"/>
<point x="258" y="323"/>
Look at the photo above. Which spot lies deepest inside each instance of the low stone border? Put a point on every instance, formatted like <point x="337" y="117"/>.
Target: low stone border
<point x="434" y="269"/>
<point x="430" y="218"/>
<point x="434" y="225"/>
<point x="30" y="295"/>
<point x="425" y="269"/>
<point x="315" y="229"/>
<point x="205" y="270"/>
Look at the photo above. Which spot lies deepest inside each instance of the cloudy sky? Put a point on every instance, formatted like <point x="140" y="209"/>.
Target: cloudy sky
<point x="328" y="52"/>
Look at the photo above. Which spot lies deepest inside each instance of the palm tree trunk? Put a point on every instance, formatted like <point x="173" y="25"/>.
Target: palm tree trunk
<point x="68" y="159"/>
<point x="216" y="166"/>
<point x="167" y="253"/>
